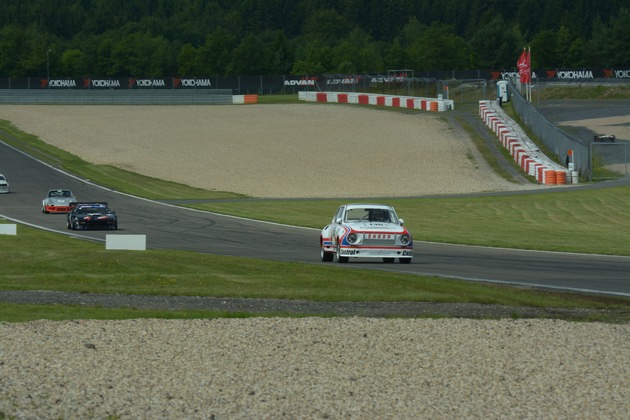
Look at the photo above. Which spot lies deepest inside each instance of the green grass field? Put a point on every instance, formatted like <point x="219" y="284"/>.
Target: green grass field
<point x="590" y="221"/>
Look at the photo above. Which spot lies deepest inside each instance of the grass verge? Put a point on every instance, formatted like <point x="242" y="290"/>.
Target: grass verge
<point x="41" y="260"/>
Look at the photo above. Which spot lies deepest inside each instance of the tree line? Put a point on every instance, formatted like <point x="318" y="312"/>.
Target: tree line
<point x="155" y="38"/>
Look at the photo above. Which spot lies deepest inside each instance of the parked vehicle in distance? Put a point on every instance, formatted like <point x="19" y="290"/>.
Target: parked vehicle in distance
<point x="58" y="201"/>
<point x="93" y="215"/>
<point x="604" y="137"/>
<point x="366" y="231"/>
<point x="4" y="184"/>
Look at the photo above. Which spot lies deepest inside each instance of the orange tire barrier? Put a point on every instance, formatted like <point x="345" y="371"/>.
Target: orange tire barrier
<point x="550" y="177"/>
<point x="561" y="177"/>
<point x="434" y="106"/>
<point x="251" y="99"/>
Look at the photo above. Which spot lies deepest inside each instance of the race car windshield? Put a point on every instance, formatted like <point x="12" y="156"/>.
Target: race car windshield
<point x="371" y="215"/>
<point x="86" y="210"/>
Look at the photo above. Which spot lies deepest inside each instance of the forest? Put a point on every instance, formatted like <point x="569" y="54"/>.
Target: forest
<point x="155" y="38"/>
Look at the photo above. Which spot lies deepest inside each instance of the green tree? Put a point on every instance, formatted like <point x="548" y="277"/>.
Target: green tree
<point x="249" y="57"/>
<point x="11" y="38"/>
<point x="327" y="26"/>
<point x="74" y="63"/>
<point x="440" y="49"/>
<point x="189" y="63"/>
<point x="494" y="45"/>
<point x="216" y="54"/>
<point x="544" y="50"/>
<point x="315" y="58"/>
<point x="619" y="42"/>
<point x="282" y="54"/>
<point x="357" y="54"/>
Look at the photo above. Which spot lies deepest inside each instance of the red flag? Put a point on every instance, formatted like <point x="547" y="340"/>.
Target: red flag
<point x="523" y="64"/>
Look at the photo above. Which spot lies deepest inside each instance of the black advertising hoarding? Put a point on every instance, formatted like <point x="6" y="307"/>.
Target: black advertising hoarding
<point x="60" y="83"/>
<point x="150" y="83"/>
<point x="566" y="74"/>
<point x="105" y="83"/>
<point x="293" y="83"/>
<point x="193" y="83"/>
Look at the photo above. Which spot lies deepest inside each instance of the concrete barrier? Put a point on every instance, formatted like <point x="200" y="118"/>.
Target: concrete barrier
<point x="8" y="229"/>
<point x="126" y="242"/>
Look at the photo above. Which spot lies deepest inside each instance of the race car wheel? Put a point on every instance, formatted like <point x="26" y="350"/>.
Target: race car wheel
<point x="44" y="210"/>
<point x="388" y="260"/>
<point x="74" y="225"/>
<point x="326" y="256"/>
<point x="341" y="259"/>
<point x="404" y="260"/>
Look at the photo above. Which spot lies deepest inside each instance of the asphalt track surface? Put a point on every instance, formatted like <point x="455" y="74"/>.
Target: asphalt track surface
<point x="171" y="227"/>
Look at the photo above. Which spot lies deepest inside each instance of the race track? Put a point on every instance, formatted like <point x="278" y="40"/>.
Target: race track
<point x="170" y="227"/>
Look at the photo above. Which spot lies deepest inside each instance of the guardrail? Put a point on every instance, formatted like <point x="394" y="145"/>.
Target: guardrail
<point x="116" y="97"/>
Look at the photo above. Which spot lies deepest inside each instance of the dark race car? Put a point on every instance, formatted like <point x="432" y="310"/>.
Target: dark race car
<point x="92" y="216"/>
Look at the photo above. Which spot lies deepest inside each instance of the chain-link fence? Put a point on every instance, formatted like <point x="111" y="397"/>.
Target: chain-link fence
<point x="557" y="143"/>
<point x="610" y="160"/>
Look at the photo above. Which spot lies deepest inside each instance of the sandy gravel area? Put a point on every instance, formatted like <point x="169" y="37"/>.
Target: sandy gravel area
<point x="305" y="150"/>
<point x="314" y="368"/>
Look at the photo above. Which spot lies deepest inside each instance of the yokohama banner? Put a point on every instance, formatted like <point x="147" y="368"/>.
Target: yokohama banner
<point x="296" y="83"/>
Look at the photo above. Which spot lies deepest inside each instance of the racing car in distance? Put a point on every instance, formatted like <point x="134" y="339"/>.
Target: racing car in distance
<point x="58" y="201"/>
<point x="604" y="137"/>
<point x="4" y="184"/>
<point x="366" y="231"/>
<point x="93" y="215"/>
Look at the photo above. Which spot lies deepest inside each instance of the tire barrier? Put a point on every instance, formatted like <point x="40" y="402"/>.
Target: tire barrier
<point x="395" y="101"/>
<point x="244" y="99"/>
<point x="524" y="151"/>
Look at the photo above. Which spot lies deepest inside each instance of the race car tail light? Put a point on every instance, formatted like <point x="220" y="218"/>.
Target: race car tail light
<point x="405" y="239"/>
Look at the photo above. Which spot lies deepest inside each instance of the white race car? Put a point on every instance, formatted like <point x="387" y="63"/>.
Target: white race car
<point x="58" y="201"/>
<point x="366" y="231"/>
<point x="4" y="184"/>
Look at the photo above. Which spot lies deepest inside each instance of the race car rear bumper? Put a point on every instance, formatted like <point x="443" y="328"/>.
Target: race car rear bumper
<point x="57" y="209"/>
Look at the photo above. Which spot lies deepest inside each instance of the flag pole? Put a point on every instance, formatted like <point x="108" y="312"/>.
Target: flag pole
<point x="529" y="70"/>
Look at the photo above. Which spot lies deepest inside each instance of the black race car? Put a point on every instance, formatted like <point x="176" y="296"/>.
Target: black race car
<point x="94" y="215"/>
